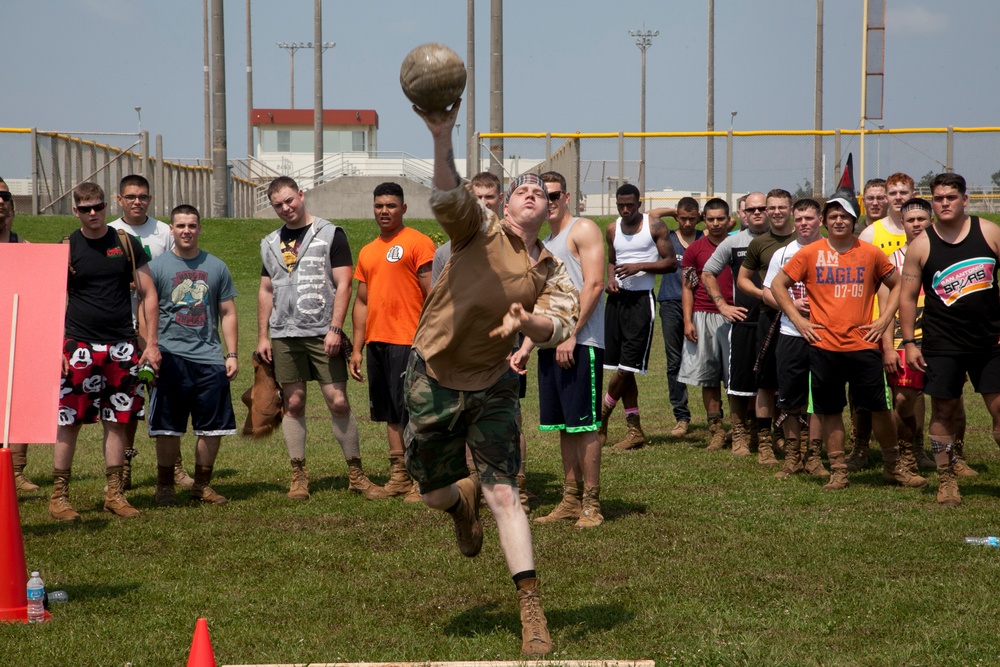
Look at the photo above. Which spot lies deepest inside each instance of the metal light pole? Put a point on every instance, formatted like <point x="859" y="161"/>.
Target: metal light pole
<point x="818" y="184"/>
<point x="643" y="39"/>
<point x="710" y="120"/>
<point x="208" y="88"/>
<point x="472" y="146"/>
<point x="249" y="86"/>
<point x="496" y="88"/>
<point x="220" y="157"/>
<point x="138" y="113"/>
<point x="318" y="88"/>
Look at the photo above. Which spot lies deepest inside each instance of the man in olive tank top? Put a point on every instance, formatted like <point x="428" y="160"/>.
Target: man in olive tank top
<point x="955" y="261"/>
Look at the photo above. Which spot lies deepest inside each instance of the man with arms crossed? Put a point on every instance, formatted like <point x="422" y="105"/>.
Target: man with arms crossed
<point x="841" y="276"/>
<point x="196" y="294"/>
<point x="394" y="277"/>
<point x="101" y="352"/>
<point x="955" y="261"/>
<point x="570" y="375"/>
<point x="638" y="248"/>
<point x="305" y="288"/>
<point x="459" y="386"/>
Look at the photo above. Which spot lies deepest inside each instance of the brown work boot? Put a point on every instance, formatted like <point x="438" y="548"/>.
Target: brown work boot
<point x="680" y="429"/>
<point x="778" y="439"/>
<point x="126" y="475"/>
<point x="793" y="460"/>
<point x="948" y="494"/>
<point x="359" y="482"/>
<point x="569" y="508"/>
<point x="907" y="458"/>
<point x="634" y="437"/>
<point x="752" y="435"/>
<point x="299" y="489"/>
<point x="924" y="462"/>
<point x="590" y="516"/>
<point x="164" y="496"/>
<point x="114" y="497"/>
<point x="602" y="431"/>
<point x="717" y="432"/>
<point x="958" y="465"/>
<point x="813" y="463"/>
<point x="535" y="638"/>
<point x="895" y="470"/>
<point x="522" y="493"/>
<point x="741" y="439"/>
<point x="59" y="507"/>
<point x="465" y="514"/>
<point x="182" y="480"/>
<point x="19" y="459"/>
<point x="859" y="458"/>
<point x="765" y="452"/>
<point x="201" y="491"/>
<point x="838" y="476"/>
<point x="399" y="483"/>
<point x="414" y="495"/>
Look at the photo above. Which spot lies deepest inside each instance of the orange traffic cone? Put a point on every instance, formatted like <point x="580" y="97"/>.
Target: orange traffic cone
<point x="13" y="575"/>
<point x="201" y="646"/>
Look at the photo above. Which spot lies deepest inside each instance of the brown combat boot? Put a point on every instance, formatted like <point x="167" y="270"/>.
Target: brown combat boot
<point x="741" y="439"/>
<point x="793" y="459"/>
<point x="907" y="457"/>
<point x="522" y="493"/>
<point x="859" y="458"/>
<point x="590" y="516"/>
<point x="602" y="431"/>
<point x="19" y="459"/>
<point x="59" y="507"/>
<point x="894" y="471"/>
<point x="299" y="488"/>
<point x="778" y="439"/>
<point x="959" y="465"/>
<point x="634" y="437"/>
<point x="399" y="480"/>
<point x="535" y="638"/>
<point x="680" y="429"/>
<point x="201" y="491"/>
<point x="569" y="508"/>
<point x="414" y="495"/>
<point x="765" y="453"/>
<point x="465" y="514"/>
<point x="924" y="462"/>
<point x="114" y="497"/>
<point x="182" y="479"/>
<point x="814" y="459"/>
<point x="718" y="434"/>
<point x="359" y="482"/>
<point x="948" y="494"/>
<point x="838" y="473"/>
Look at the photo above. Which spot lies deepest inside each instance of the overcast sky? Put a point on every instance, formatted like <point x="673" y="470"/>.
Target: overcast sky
<point x="570" y="65"/>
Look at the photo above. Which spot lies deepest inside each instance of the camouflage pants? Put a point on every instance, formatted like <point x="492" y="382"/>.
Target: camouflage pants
<point x="443" y="421"/>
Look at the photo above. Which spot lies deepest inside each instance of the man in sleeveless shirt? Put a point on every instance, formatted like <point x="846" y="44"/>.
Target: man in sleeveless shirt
<point x="955" y="262"/>
<point x="638" y="248"/>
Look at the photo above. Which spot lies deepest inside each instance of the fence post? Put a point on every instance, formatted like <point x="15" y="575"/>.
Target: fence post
<point x="145" y="155"/>
<point x="77" y="160"/>
<point x="107" y="168"/>
<point x="836" y="150"/>
<point x="34" y="171"/>
<point x="949" y="160"/>
<point x="729" y="168"/>
<point x="161" y="190"/>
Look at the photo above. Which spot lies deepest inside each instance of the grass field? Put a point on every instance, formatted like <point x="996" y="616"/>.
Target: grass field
<point x="703" y="560"/>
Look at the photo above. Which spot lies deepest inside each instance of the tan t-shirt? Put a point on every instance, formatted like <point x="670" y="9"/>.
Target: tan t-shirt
<point x="489" y="269"/>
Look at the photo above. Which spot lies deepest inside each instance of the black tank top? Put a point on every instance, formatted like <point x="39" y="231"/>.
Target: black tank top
<point x="961" y="295"/>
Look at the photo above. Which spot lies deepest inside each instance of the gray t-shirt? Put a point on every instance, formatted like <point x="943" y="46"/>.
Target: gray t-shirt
<point x="190" y="291"/>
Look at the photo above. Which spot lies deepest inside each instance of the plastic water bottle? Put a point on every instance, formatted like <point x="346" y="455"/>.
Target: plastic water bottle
<point x="36" y="599"/>
<point x="984" y="541"/>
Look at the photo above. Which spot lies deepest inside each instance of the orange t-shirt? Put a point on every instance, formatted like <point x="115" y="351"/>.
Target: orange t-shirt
<point x="841" y="288"/>
<point x="389" y="269"/>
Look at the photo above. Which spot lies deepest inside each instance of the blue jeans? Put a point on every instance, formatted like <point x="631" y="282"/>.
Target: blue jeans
<point x="672" y="321"/>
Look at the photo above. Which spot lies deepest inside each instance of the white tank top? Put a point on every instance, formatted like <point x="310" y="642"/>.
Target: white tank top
<point x="635" y="248"/>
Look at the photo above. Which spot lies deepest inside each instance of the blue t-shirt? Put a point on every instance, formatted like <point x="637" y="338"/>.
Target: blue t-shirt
<point x="670" y="283"/>
<point x="190" y="291"/>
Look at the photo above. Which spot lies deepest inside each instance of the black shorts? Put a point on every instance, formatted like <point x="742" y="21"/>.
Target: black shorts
<point x="386" y="366"/>
<point x="628" y="330"/>
<point x="946" y="374"/>
<point x="767" y="370"/>
<point x="569" y="399"/>
<point x="191" y="389"/>
<point x="742" y="355"/>
<point x="792" y="360"/>
<point x="830" y="371"/>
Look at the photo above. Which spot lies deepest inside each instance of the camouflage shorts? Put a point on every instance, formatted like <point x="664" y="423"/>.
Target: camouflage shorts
<point x="442" y="421"/>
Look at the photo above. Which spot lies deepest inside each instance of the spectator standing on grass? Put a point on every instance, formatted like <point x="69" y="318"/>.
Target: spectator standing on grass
<point x="955" y="262"/>
<point x="570" y="376"/>
<point x="705" y="356"/>
<point x="394" y="277"/>
<point x="460" y="389"/>
<point x="841" y="276"/>
<point x="305" y="289"/>
<point x="639" y="248"/>
<point x="154" y="235"/>
<point x="671" y="312"/>
<point x="196" y="295"/>
<point x="101" y="353"/>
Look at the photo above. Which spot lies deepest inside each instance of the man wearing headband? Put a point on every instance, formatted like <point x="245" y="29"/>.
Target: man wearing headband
<point x="955" y="262"/>
<point x="459" y="386"/>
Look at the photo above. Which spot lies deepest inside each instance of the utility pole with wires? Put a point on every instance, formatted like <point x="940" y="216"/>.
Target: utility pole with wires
<point x="643" y="39"/>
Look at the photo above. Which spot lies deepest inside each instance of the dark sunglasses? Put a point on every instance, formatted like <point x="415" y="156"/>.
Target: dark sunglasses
<point x="87" y="209"/>
<point x="556" y="195"/>
<point x="6" y="196"/>
<point x="755" y="209"/>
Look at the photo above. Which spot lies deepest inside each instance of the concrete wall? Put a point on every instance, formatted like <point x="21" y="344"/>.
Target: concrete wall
<point x="351" y="197"/>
